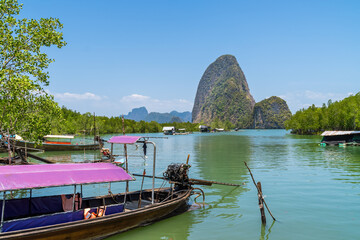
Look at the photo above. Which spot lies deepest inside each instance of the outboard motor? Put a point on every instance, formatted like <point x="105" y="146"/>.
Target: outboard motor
<point x="178" y="173"/>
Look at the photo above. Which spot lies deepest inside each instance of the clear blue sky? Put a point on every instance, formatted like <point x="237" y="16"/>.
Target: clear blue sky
<point x="126" y="54"/>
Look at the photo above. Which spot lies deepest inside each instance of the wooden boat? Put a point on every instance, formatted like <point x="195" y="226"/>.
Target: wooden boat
<point x="166" y="205"/>
<point x="59" y="143"/>
<point x="49" y="217"/>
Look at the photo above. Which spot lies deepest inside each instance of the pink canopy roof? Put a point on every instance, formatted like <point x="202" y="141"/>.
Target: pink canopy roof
<point x="124" y="139"/>
<point x="51" y="175"/>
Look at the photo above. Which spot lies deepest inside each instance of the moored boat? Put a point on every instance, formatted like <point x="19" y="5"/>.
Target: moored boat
<point x="59" y="143"/>
<point x="72" y="216"/>
<point x="169" y="130"/>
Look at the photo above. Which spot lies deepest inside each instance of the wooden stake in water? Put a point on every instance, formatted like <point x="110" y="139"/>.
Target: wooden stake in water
<point x="259" y="191"/>
<point x="261" y="204"/>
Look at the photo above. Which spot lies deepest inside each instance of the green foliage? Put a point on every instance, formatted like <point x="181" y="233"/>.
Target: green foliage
<point x="223" y="94"/>
<point x="25" y="107"/>
<point x="271" y="113"/>
<point x="227" y="102"/>
<point x="77" y="123"/>
<point x="339" y="115"/>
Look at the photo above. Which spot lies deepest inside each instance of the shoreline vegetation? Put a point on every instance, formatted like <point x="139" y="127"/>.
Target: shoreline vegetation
<point x="74" y="122"/>
<point x="343" y="115"/>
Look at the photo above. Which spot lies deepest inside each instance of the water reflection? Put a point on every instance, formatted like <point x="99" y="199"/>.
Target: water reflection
<point x="341" y="160"/>
<point x="311" y="189"/>
<point x="220" y="157"/>
<point x="174" y="228"/>
<point x="265" y="232"/>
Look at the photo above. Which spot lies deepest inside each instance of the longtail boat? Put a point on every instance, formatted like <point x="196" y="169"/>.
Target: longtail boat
<point x="72" y="216"/>
<point x="59" y="143"/>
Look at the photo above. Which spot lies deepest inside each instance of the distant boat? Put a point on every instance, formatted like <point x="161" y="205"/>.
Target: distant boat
<point x="59" y="143"/>
<point x="341" y="138"/>
<point x="204" y="128"/>
<point x="182" y="131"/>
<point x="218" y="130"/>
<point x="169" y="130"/>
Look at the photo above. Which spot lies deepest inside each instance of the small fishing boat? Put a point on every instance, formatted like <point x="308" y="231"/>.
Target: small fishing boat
<point x="72" y="216"/>
<point x="59" y="143"/>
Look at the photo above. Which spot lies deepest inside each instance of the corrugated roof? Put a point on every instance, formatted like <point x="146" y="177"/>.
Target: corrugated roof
<point x="168" y="128"/>
<point x="338" y="133"/>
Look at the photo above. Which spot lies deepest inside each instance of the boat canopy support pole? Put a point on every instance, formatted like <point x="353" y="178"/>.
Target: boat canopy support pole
<point x="2" y="211"/>
<point x="73" y="204"/>
<point x="126" y="166"/>
<point x="30" y="198"/>
<point x="153" y="179"/>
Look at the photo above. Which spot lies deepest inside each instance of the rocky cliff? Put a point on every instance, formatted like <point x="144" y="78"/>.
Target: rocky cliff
<point x="271" y="113"/>
<point x="162" y="118"/>
<point x="223" y="94"/>
<point x="184" y="116"/>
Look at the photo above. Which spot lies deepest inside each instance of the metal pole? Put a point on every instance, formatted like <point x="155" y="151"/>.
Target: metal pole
<point x="153" y="181"/>
<point x="126" y="166"/>
<point x="94" y="128"/>
<point x="112" y="149"/>
<point x="73" y="205"/>
<point x="30" y="202"/>
<point x="2" y="211"/>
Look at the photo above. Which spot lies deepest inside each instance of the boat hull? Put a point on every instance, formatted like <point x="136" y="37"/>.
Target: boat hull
<point x="59" y="147"/>
<point x="102" y="227"/>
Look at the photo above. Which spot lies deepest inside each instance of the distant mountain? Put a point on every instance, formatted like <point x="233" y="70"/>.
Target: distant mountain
<point x="162" y="118"/>
<point x="141" y="114"/>
<point x="137" y="114"/>
<point x="271" y="113"/>
<point x="223" y="94"/>
<point x="185" y="116"/>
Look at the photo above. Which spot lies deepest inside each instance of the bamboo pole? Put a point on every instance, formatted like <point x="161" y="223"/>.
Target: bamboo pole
<point x="194" y="181"/>
<point x="261" y="204"/>
<point x="259" y="191"/>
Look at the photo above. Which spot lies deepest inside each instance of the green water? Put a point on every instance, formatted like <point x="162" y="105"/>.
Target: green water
<point x="313" y="191"/>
